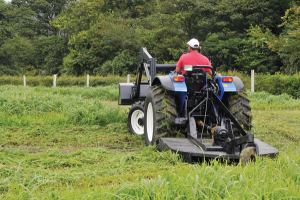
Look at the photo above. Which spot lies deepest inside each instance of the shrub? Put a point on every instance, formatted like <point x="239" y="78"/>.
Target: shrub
<point x="278" y="84"/>
<point x="65" y="81"/>
<point x="274" y="84"/>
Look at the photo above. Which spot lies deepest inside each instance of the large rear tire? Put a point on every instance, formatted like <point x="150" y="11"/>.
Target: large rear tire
<point x="135" y="120"/>
<point x="160" y="114"/>
<point x="239" y="105"/>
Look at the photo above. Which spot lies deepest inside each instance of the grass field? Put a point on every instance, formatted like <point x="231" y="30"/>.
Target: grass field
<point x="73" y="143"/>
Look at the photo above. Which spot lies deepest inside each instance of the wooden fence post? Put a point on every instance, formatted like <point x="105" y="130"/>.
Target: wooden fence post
<point x="24" y="80"/>
<point x="128" y="78"/>
<point x="87" y="80"/>
<point x="252" y="80"/>
<point x="54" y="80"/>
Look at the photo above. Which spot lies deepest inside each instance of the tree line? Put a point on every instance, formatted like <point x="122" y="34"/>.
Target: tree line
<point x="103" y="37"/>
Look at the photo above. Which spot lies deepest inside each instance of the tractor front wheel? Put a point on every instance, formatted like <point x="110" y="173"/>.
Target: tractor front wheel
<point x="135" y="120"/>
<point x="160" y="114"/>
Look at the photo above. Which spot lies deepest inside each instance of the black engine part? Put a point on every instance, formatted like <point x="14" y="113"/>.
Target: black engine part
<point x="220" y="136"/>
<point x="195" y="80"/>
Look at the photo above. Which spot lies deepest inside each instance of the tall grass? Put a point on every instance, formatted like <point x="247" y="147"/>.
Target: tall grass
<point x="21" y="106"/>
<point x="279" y="84"/>
<point x="264" y="179"/>
<point x="266" y="101"/>
<point x="72" y="143"/>
<point x="110" y="92"/>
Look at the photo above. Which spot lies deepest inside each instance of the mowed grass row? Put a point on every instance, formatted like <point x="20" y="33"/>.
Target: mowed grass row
<point x="46" y="152"/>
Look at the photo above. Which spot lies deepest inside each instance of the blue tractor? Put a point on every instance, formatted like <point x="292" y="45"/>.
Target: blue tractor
<point x="192" y="115"/>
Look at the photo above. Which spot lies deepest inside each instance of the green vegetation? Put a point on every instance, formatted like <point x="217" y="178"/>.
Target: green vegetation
<point x="22" y="106"/>
<point x="100" y="37"/>
<point x="73" y="143"/>
<point x="66" y="81"/>
<point x="273" y="84"/>
<point x="287" y="43"/>
<point x="265" y="101"/>
<point x="278" y="84"/>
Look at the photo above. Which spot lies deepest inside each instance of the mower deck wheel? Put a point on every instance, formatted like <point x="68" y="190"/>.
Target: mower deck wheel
<point x="247" y="155"/>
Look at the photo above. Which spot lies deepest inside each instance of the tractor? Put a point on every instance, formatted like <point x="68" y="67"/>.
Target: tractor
<point x="193" y="115"/>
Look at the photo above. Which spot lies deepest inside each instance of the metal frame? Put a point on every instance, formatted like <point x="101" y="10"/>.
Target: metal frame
<point x="145" y="57"/>
<point x="228" y="146"/>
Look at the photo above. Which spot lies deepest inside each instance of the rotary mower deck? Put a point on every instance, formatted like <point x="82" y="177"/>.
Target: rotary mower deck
<point x="191" y="151"/>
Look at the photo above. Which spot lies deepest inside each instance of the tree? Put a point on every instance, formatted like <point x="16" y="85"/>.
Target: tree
<point x="4" y="20"/>
<point x="91" y="48"/>
<point x="19" y="55"/>
<point x="32" y="18"/>
<point x="104" y="36"/>
<point x="49" y="53"/>
<point x="27" y="24"/>
<point x="101" y="35"/>
<point x="287" y="44"/>
<point x="221" y="26"/>
<point x="129" y="8"/>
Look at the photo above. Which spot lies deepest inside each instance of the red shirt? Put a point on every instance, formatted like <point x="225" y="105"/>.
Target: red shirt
<point x="193" y="58"/>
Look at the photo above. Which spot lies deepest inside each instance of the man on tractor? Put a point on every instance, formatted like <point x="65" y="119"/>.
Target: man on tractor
<point x="193" y="58"/>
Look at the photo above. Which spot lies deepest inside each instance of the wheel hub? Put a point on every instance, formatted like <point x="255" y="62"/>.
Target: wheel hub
<point x="137" y="122"/>
<point x="141" y="121"/>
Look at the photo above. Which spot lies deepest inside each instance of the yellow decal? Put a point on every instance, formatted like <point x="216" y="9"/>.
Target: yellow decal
<point x="225" y="85"/>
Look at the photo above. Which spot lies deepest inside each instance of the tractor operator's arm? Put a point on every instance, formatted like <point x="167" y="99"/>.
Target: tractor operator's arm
<point x="178" y="70"/>
<point x="210" y="73"/>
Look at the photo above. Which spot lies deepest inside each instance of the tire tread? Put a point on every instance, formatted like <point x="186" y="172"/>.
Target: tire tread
<point x="165" y="111"/>
<point x="239" y="106"/>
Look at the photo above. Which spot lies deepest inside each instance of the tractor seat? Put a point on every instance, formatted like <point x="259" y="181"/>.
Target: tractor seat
<point x="195" y="80"/>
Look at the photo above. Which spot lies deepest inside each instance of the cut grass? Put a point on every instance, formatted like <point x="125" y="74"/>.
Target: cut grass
<point x="279" y="128"/>
<point x="49" y="155"/>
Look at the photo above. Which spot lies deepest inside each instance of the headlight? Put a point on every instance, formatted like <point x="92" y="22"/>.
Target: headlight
<point x="188" y="67"/>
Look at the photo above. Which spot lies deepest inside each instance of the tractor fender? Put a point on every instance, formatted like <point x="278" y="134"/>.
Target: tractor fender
<point x="164" y="81"/>
<point x="238" y="83"/>
<point x="178" y="88"/>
